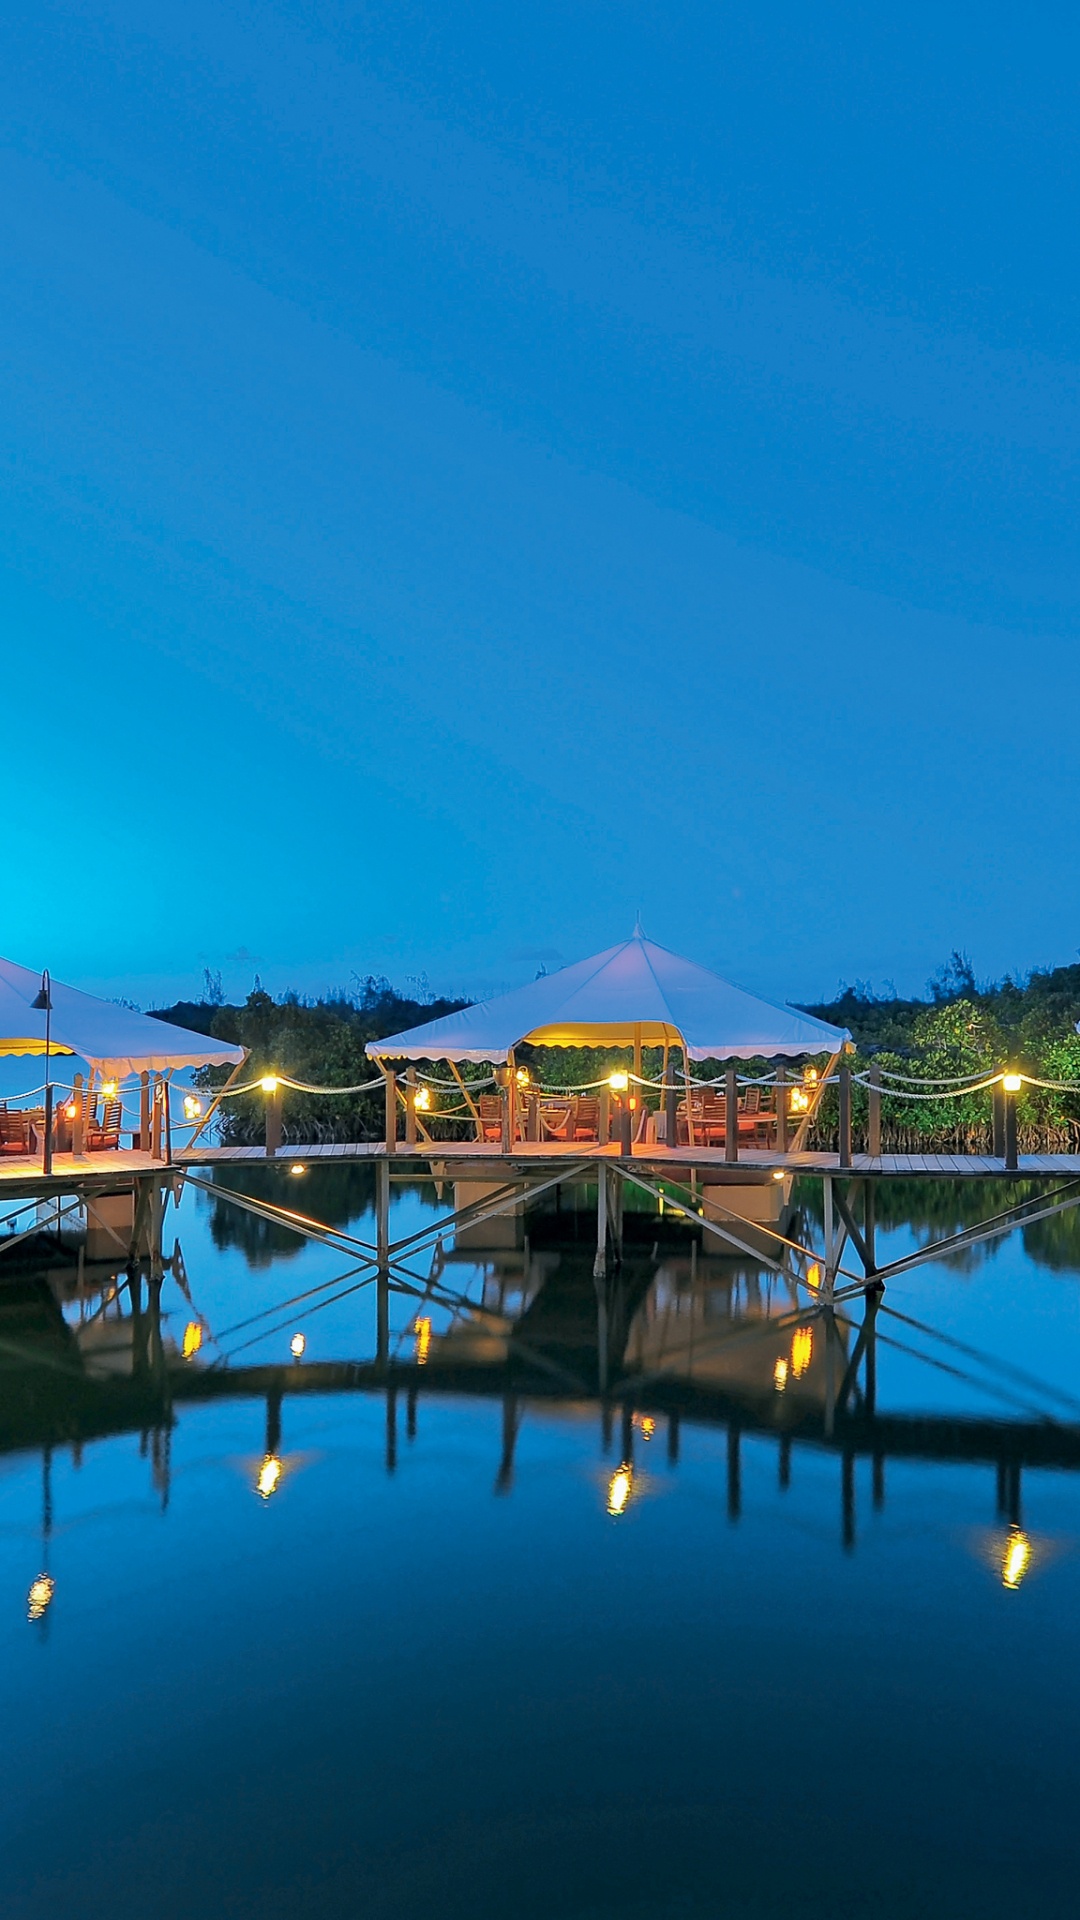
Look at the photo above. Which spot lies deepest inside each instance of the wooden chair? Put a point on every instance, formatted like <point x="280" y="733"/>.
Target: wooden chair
<point x="586" y="1119"/>
<point x="14" y="1131"/>
<point x="490" y="1108"/>
<point x="760" y="1115"/>
<point x="104" y="1135"/>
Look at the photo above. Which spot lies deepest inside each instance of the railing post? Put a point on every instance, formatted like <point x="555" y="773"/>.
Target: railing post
<point x="604" y="1128"/>
<point x="844" y="1102"/>
<point x="78" y="1124"/>
<point x="410" y="1106"/>
<point x="391" y="1111"/>
<point x="1011" y="1160"/>
<point x="507" y="1139"/>
<point x="155" y="1119"/>
<point x="273" y="1121"/>
<point x="731" y="1116"/>
<point x="166" y="1110"/>
<point x="781" y="1110"/>
<point x="671" y="1106"/>
<point x="47" y="1144"/>
<point x="626" y="1143"/>
<point x="997" y="1113"/>
<point x="144" y="1111"/>
<point x="873" y="1141"/>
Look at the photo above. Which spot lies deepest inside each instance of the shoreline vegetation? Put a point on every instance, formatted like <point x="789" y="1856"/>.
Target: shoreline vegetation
<point x="957" y="1028"/>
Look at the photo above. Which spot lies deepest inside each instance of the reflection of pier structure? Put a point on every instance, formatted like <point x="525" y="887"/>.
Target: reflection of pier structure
<point x="653" y="1351"/>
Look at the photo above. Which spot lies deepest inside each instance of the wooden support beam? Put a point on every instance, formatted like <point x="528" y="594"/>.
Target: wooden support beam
<point x="781" y="1109"/>
<point x="731" y="1116"/>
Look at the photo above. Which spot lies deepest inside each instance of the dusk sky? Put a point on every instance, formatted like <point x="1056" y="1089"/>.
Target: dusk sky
<point x="472" y="474"/>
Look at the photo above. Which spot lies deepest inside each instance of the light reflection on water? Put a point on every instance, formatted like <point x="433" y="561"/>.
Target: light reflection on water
<point x="474" y="1641"/>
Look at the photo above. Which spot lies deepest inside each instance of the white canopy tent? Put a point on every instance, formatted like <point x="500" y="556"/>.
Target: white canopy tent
<point x="632" y="995"/>
<point x="112" y="1039"/>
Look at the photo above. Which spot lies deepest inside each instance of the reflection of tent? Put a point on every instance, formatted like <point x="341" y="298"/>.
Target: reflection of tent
<point x="633" y="995"/>
<point x="113" y="1039"/>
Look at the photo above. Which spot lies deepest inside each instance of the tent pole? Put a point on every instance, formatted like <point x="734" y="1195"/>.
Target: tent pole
<point x="144" y="1104"/>
<point x="690" y="1141"/>
<point x="467" y="1096"/>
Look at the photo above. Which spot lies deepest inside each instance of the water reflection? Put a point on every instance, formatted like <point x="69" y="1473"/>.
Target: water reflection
<point x="569" y="1518"/>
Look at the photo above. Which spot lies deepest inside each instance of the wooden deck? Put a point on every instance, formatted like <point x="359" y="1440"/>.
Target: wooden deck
<point x="22" y="1175"/>
<point x="19" y="1173"/>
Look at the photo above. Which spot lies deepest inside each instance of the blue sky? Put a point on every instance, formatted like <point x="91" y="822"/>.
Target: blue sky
<point x="472" y="474"/>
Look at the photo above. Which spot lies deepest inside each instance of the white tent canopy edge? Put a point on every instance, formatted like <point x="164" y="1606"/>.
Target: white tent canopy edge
<point x="114" y="1040"/>
<point x="635" y="993"/>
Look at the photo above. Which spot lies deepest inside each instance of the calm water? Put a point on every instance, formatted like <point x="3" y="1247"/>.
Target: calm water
<point x="431" y="1674"/>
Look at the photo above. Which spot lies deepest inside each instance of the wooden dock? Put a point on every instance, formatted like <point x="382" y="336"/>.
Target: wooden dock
<point x="22" y="1174"/>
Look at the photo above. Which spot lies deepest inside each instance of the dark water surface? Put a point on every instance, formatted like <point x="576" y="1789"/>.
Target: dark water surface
<point x="431" y="1673"/>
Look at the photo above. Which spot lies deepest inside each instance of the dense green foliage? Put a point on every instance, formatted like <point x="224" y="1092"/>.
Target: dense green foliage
<point x="964" y="1029"/>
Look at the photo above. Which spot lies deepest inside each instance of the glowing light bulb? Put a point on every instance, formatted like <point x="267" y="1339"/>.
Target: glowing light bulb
<point x="620" y="1488"/>
<point x="422" y="1099"/>
<point x="422" y="1330"/>
<point x="1016" y="1558"/>
<point x="108" y="1089"/>
<point x="40" y="1596"/>
<point x="193" y="1339"/>
<point x="297" y="1168"/>
<point x="522" y="1076"/>
<point x="779" y="1174"/>
<point x="192" y="1107"/>
<point x="269" y="1083"/>
<point x="298" y="1346"/>
<point x="269" y="1476"/>
<point x="1012" y="1082"/>
<point x="802" y="1350"/>
<point x="780" y="1375"/>
<point x="71" y="1110"/>
<point x="618" y="1081"/>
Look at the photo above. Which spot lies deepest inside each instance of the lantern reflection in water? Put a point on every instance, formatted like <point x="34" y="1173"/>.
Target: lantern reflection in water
<point x="422" y="1330"/>
<point x="620" y="1488"/>
<point x="1016" y="1558"/>
<point x="802" y="1350"/>
<point x="780" y="1375"/>
<point x="193" y="1339"/>
<point x="40" y="1596"/>
<point x="645" y="1425"/>
<point x="269" y="1476"/>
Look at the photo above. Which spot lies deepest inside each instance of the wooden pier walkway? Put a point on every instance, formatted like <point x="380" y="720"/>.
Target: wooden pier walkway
<point x="22" y="1174"/>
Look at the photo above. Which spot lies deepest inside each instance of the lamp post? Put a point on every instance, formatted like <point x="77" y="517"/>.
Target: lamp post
<point x="42" y="1003"/>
